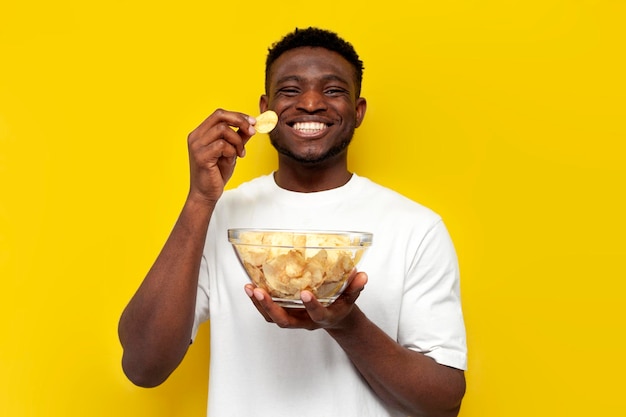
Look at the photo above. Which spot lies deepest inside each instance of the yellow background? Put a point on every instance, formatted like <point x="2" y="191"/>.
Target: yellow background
<point x="507" y="117"/>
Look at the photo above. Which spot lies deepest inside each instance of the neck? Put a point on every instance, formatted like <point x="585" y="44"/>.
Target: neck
<point x="309" y="179"/>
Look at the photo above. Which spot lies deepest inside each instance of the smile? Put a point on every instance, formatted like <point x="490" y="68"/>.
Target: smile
<point x="309" y="127"/>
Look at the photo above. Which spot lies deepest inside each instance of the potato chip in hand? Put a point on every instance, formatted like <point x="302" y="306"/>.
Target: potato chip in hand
<point x="266" y="121"/>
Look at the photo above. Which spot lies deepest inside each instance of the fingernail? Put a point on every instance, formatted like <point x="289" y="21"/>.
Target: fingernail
<point x="258" y="295"/>
<point x="249" y="291"/>
<point x="305" y="296"/>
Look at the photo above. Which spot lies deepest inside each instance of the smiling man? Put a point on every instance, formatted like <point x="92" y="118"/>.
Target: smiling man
<point x="392" y="345"/>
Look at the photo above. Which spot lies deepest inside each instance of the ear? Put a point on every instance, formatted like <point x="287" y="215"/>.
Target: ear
<point x="263" y="103"/>
<point x="361" y="106"/>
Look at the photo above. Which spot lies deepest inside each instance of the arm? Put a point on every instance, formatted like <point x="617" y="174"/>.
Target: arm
<point x="155" y="327"/>
<point x="404" y="379"/>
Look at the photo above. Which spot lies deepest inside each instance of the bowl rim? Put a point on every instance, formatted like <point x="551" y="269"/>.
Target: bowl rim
<point x="366" y="238"/>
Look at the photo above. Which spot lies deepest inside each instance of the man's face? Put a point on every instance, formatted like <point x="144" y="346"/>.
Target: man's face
<point x="313" y="91"/>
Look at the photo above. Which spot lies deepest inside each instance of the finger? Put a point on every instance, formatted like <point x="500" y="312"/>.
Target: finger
<point x="233" y="127"/>
<point x="317" y="312"/>
<point x="226" y="166"/>
<point x="275" y="312"/>
<point x="218" y="154"/>
<point x="249" y="288"/>
<point x="286" y="318"/>
<point x="240" y="121"/>
<point x="225" y="132"/>
<point x="356" y="285"/>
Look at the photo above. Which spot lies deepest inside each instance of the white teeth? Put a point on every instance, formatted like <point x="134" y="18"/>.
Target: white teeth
<point x="309" y="127"/>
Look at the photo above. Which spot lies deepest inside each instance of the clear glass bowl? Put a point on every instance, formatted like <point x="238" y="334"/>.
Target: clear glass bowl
<point x="285" y="262"/>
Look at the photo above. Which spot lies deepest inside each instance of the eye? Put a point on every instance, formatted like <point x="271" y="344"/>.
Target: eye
<point x="335" y="91"/>
<point x="288" y="91"/>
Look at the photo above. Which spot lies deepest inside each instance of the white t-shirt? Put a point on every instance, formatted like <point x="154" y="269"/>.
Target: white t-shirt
<point x="258" y="369"/>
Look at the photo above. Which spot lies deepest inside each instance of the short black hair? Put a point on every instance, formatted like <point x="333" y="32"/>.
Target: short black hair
<point x="316" y="37"/>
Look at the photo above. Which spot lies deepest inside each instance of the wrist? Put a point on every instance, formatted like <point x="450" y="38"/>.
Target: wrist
<point x="348" y="324"/>
<point x="198" y="200"/>
<point x="197" y="211"/>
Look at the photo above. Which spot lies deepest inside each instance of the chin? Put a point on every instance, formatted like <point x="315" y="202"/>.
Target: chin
<point x="311" y="157"/>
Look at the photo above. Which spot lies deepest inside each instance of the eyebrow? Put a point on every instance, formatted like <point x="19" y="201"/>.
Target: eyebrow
<point x="329" y="77"/>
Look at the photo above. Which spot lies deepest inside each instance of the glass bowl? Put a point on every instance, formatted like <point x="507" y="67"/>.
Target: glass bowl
<point x="286" y="262"/>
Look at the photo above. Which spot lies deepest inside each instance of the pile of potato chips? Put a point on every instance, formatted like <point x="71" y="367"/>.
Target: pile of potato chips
<point x="284" y="263"/>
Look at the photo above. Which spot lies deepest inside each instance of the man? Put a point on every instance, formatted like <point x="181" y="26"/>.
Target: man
<point x="400" y="350"/>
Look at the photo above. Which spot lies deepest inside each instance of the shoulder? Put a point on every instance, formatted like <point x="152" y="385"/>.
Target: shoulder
<point x="392" y="202"/>
<point x="249" y="190"/>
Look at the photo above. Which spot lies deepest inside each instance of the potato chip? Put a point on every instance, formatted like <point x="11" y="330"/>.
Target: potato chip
<point x="266" y="121"/>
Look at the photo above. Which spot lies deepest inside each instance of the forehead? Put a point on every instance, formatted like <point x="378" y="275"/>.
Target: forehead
<point x="306" y="62"/>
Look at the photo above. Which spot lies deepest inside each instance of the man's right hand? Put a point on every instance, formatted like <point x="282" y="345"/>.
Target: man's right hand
<point x="213" y="150"/>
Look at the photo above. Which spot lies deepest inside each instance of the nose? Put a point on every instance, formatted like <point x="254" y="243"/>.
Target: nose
<point x="312" y="101"/>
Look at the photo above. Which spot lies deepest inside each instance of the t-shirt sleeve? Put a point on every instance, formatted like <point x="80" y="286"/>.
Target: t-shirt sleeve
<point x="202" y="298"/>
<point x="431" y="318"/>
